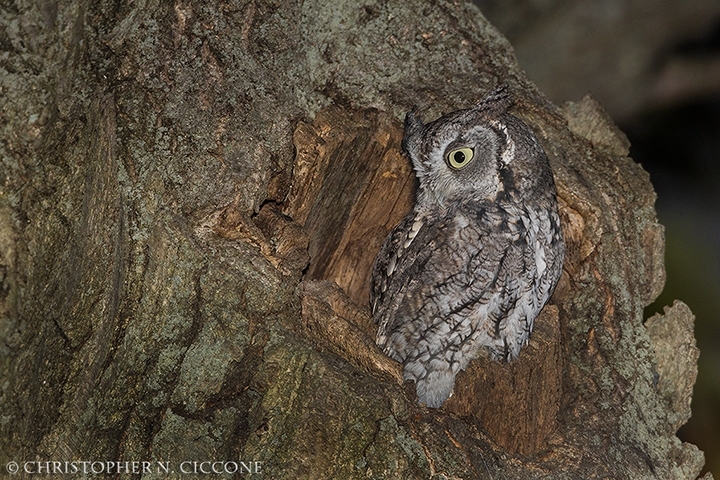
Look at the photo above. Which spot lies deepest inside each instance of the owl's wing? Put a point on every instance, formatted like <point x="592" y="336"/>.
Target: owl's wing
<point x="397" y="267"/>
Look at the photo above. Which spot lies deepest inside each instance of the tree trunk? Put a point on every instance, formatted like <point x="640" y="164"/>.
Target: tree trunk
<point x="182" y="182"/>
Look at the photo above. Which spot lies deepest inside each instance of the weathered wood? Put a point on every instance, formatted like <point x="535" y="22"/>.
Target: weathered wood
<point x="350" y="188"/>
<point x="517" y="403"/>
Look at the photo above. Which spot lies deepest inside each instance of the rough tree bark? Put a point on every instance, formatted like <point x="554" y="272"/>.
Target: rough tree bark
<point x="182" y="182"/>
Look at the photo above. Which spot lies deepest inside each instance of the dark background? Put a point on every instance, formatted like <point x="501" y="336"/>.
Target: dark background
<point x="655" y="66"/>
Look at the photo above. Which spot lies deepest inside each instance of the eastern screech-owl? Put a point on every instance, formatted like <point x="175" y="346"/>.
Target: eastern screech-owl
<point x="479" y="255"/>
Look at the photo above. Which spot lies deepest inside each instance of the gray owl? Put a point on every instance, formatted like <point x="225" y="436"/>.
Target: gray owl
<point x="479" y="255"/>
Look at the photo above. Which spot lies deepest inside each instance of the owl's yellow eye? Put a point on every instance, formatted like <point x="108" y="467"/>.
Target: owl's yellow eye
<point x="459" y="158"/>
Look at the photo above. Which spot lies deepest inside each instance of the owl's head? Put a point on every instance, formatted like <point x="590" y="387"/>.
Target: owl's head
<point x="475" y="154"/>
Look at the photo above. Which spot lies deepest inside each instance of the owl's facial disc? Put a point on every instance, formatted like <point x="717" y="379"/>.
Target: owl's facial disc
<point x="457" y="156"/>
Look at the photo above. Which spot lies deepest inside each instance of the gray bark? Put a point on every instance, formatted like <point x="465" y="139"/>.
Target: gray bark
<point x="170" y="170"/>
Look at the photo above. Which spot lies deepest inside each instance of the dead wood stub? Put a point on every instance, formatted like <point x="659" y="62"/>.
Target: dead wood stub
<point x="516" y="403"/>
<point x="351" y="186"/>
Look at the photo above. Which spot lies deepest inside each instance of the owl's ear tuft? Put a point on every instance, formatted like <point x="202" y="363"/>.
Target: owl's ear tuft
<point x="413" y="125"/>
<point x="496" y="102"/>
